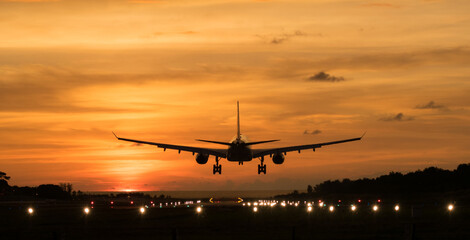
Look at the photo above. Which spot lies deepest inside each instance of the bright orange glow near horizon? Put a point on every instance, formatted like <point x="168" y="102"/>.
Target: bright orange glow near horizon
<point x="171" y="71"/>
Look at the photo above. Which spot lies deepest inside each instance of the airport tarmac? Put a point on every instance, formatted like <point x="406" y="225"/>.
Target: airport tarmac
<point x="272" y="220"/>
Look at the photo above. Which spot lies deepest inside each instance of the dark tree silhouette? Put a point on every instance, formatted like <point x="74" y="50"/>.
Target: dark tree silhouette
<point x="309" y="189"/>
<point x="4" y="187"/>
<point x="431" y="179"/>
<point x="51" y="191"/>
<point x="3" y="176"/>
<point x="66" y="187"/>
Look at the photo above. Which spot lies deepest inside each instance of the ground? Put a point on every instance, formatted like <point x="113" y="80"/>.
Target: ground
<point x="68" y="221"/>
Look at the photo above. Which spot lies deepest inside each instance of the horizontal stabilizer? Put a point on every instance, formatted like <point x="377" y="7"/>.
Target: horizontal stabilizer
<point x="253" y="143"/>
<point x="216" y="142"/>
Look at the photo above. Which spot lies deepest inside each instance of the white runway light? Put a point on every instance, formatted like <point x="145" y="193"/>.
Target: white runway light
<point x="353" y="208"/>
<point x="331" y="208"/>
<point x="86" y="210"/>
<point x="199" y="209"/>
<point x="255" y="209"/>
<point x="30" y="211"/>
<point x="397" y="208"/>
<point x="309" y="208"/>
<point x="375" y="208"/>
<point x="142" y="210"/>
<point x="450" y="207"/>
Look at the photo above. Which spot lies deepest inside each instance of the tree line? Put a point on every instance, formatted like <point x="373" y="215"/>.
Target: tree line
<point x="429" y="180"/>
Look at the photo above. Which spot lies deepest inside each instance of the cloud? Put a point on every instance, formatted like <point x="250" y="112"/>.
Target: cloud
<point x="298" y="67"/>
<point x="281" y="38"/>
<point x="314" y="132"/>
<point x="400" y="117"/>
<point x="325" y="77"/>
<point x="430" y="105"/>
<point x="42" y="88"/>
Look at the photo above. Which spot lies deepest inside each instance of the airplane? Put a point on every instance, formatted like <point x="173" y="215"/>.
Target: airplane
<point x="238" y="149"/>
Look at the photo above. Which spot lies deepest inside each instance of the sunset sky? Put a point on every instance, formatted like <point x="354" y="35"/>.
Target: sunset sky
<point x="171" y="71"/>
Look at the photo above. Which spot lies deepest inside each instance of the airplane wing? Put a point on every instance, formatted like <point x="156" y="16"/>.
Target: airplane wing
<point x="264" y="152"/>
<point x="222" y="153"/>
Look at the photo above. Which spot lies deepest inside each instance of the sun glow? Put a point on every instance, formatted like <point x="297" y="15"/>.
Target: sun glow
<point x="177" y="82"/>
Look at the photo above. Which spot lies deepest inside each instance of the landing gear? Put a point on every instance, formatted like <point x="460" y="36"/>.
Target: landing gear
<point x="217" y="168"/>
<point x="262" y="166"/>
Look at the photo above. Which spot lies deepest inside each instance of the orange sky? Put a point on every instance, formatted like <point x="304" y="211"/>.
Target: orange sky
<point x="171" y="71"/>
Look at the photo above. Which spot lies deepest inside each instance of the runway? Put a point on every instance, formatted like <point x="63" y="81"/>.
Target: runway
<point x="273" y="219"/>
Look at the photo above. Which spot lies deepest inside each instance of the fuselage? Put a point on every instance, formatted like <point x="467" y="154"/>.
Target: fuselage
<point x="238" y="151"/>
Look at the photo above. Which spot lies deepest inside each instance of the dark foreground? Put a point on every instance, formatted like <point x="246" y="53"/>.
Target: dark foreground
<point x="68" y="221"/>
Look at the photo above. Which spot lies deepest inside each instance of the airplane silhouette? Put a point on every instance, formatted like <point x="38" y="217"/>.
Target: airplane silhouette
<point x="239" y="149"/>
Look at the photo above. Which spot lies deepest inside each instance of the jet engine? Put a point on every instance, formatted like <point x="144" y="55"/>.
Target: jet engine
<point x="202" y="158"/>
<point x="278" y="158"/>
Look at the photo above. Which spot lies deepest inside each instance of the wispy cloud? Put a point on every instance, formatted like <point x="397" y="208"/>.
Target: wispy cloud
<point x="430" y="105"/>
<point x="400" y="117"/>
<point x="325" y="77"/>
<point x="314" y="132"/>
<point x="297" y="67"/>
<point x="281" y="38"/>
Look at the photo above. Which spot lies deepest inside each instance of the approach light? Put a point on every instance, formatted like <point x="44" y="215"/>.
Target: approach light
<point x="309" y="204"/>
<point x="255" y="209"/>
<point x="450" y="207"/>
<point x="397" y="208"/>
<point x="375" y="208"/>
<point x="255" y="204"/>
<point x="353" y="208"/>
<point x="296" y="204"/>
<point x="243" y="204"/>
<point x="309" y="208"/>
<point x="332" y="208"/>
<point x="86" y="210"/>
<point x="249" y="204"/>
<point x="142" y="210"/>
<point x="283" y="204"/>
<point x="199" y="209"/>
<point x="30" y="211"/>
<point x="322" y="204"/>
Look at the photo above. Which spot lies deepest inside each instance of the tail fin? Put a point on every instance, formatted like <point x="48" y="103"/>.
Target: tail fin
<point x="238" y="121"/>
